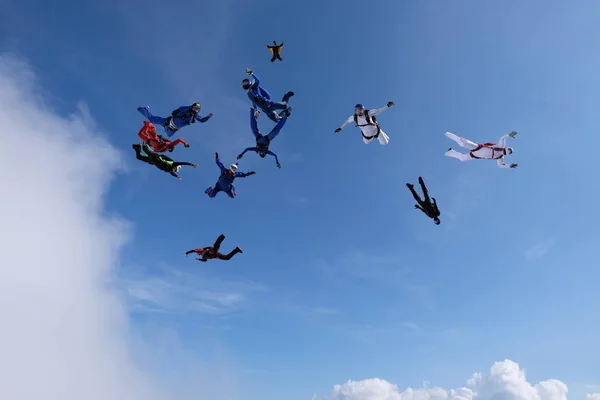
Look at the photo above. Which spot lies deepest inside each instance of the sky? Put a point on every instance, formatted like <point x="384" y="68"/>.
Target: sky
<point x="344" y="291"/>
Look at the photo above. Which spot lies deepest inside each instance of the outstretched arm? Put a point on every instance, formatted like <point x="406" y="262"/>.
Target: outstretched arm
<point x="219" y="163"/>
<point x="382" y="109"/>
<point x="190" y="252"/>
<point x="203" y="119"/>
<point x="502" y="140"/>
<point x="274" y="155"/>
<point x="348" y="122"/>
<point x="501" y="164"/>
<point x="245" y="151"/>
<point x="256" y="81"/>
<point x="244" y="174"/>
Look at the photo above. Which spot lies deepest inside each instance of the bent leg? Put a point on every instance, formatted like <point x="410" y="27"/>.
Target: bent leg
<point x="286" y="97"/>
<point x="231" y="192"/>
<point x="457" y="155"/>
<point x="139" y="155"/>
<point x="218" y="242"/>
<point x="414" y="193"/>
<point x="178" y="163"/>
<point x="275" y="131"/>
<point x="425" y="191"/>
<point x="155" y="120"/>
<point x="278" y="105"/>
<point x="228" y="256"/>
<point x="273" y="116"/>
<point x="254" y="123"/>
<point x="462" y="142"/>
<point x="383" y="138"/>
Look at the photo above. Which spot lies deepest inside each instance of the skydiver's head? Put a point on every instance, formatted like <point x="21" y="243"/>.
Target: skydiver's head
<point x="436" y="221"/>
<point x="509" y="150"/>
<point x="275" y="42"/>
<point x="246" y="84"/>
<point x="196" y="107"/>
<point x="233" y="168"/>
<point x="359" y="109"/>
<point x="177" y="169"/>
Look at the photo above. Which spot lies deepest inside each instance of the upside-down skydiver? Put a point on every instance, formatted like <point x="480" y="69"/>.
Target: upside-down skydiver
<point x="263" y="141"/>
<point x="183" y="116"/>
<point x="164" y="163"/>
<point x="261" y="98"/>
<point x="428" y="207"/>
<point x="225" y="181"/>
<point x="208" y="253"/>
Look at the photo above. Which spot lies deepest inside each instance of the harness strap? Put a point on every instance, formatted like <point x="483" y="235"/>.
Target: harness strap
<point x="489" y="146"/>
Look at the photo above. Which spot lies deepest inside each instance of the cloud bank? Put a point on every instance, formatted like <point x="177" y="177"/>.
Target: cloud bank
<point x="64" y="333"/>
<point x="505" y="381"/>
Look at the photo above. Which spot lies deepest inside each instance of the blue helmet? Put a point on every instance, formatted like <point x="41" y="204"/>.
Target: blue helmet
<point x="359" y="106"/>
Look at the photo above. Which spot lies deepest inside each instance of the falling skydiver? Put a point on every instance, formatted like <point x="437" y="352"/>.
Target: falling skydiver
<point x="183" y="116"/>
<point x="159" y="143"/>
<point x="211" y="252"/>
<point x="262" y="141"/>
<point x="429" y="207"/>
<point x="486" y="151"/>
<point x="225" y="182"/>
<point x="275" y="50"/>
<point x="164" y="163"/>
<point x="261" y="98"/>
<point x="366" y="121"/>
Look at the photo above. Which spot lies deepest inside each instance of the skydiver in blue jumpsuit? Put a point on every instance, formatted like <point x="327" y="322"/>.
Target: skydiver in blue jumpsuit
<point x="262" y="99"/>
<point x="262" y="142"/>
<point x="225" y="182"/>
<point x="183" y="116"/>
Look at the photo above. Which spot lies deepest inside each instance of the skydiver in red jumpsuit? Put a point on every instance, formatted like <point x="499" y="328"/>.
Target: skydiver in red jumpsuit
<point x="159" y="143"/>
<point x="209" y="253"/>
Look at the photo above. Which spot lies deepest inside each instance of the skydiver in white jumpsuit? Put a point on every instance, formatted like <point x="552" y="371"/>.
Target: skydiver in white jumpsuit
<point x="486" y="151"/>
<point x="366" y="121"/>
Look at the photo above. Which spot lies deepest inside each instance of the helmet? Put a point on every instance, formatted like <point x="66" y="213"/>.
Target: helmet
<point x="509" y="150"/>
<point x="246" y="84"/>
<point x="359" y="106"/>
<point x="233" y="167"/>
<point x="196" y="105"/>
<point x="177" y="168"/>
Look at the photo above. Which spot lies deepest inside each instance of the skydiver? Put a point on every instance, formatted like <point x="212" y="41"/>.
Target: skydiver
<point x="366" y="121"/>
<point x="427" y="206"/>
<point x="209" y="253"/>
<point x="262" y="142"/>
<point x="183" y="116"/>
<point x="164" y="163"/>
<point x="261" y="98"/>
<point x="275" y="50"/>
<point x="159" y="143"/>
<point x="486" y="151"/>
<point x="225" y="182"/>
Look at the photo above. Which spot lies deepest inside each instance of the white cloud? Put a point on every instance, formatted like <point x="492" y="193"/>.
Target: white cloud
<point x="505" y="381"/>
<point x="410" y="325"/>
<point x="539" y="250"/>
<point x="64" y="334"/>
<point x="592" y="396"/>
<point x="173" y="290"/>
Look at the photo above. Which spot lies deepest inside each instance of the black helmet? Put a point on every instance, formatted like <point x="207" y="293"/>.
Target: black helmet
<point x="246" y="84"/>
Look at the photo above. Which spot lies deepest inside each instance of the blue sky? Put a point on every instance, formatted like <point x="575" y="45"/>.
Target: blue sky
<point x="340" y="277"/>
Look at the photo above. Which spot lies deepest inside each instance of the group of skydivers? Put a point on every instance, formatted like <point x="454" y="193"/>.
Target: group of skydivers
<point x="153" y="145"/>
